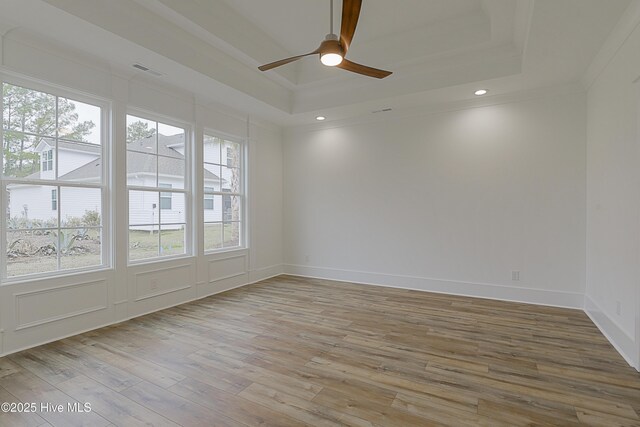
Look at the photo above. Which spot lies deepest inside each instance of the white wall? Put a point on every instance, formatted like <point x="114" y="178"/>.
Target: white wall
<point x="37" y="311"/>
<point x="449" y="202"/>
<point x="266" y="202"/>
<point x="613" y="200"/>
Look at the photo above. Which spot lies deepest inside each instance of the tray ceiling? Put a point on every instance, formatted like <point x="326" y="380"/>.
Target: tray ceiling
<point x="434" y="47"/>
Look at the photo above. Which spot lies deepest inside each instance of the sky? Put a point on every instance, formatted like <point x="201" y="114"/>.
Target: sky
<point x="88" y="112"/>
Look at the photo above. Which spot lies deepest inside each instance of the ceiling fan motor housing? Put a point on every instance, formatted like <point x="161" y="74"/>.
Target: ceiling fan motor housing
<point x="331" y="45"/>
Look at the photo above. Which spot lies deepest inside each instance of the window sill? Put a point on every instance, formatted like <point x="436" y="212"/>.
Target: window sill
<point x="54" y="275"/>
<point x="226" y="252"/>
<point x="157" y="260"/>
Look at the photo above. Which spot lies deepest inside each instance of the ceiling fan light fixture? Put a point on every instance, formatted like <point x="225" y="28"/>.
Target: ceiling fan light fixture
<point x="334" y="47"/>
<point x="331" y="59"/>
<point x="331" y="53"/>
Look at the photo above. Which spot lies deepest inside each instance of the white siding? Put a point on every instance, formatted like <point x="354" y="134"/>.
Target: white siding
<point x="141" y="210"/>
<point x="75" y="202"/>
<point x="211" y="152"/>
<point x="34" y="202"/>
<point x="31" y="202"/>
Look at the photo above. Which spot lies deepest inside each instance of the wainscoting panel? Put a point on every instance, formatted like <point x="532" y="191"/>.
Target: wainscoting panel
<point x="35" y="308"/>
<point x="155" y="287"/>
<point x="224" y="272"/>
<point x="40" y="311"/>
<point x="226" y="268"/>
<point x="162" y="281"/>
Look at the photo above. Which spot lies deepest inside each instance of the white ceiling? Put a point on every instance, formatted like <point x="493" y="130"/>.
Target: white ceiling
<point x="439" y="50"/>
<point x="299" y="26"/>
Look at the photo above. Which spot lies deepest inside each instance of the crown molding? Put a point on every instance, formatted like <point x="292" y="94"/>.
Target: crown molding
<point x="514" y="97"/>
<point x="623" y="30"/>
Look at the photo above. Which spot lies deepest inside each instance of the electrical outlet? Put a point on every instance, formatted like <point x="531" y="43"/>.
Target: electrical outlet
<point x="515" y="275"/>
<point x="153" y="284"/>
<point x="618" y="308"/>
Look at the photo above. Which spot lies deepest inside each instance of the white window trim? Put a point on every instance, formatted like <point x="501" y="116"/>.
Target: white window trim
<point x="107" y="150"/>
<point x="47" y="160"/>
<point x="187" y="190"/>
<point x="244" y="148"/>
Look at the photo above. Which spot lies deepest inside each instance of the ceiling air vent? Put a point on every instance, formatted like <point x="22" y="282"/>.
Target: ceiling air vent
<point x="147" y="70"/>
<point x="383" y="110"/>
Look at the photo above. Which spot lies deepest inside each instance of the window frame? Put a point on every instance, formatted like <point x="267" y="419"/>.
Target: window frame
<point x="186" y="190"/>
<point x="48" y="161"/>
<point x="242" y="166"/>
<point x="166" y="195"/>
<point x="105" y="186"/>
<point x="208" y="196"/>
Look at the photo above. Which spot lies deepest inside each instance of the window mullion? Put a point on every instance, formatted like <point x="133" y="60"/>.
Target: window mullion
<point x="53" y="182"/>
<point x="58" y="205"/>
<point x="3" y="232"/>
<point x="158" y="186"/>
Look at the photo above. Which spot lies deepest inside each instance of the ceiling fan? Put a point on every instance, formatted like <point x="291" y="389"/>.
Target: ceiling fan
<point x="332" y="50"/>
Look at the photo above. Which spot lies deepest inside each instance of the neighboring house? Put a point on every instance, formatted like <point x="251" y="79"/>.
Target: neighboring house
<point x="80" y="162"/>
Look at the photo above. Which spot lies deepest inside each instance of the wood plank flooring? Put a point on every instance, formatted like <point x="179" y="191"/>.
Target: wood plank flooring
<point x="291" y="351"/>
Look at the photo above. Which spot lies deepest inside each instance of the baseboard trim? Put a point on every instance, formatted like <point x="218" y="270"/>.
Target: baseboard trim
<point x="619" y="339"/>
<point x="477" y="290"/>
<point x="264" y="273"/>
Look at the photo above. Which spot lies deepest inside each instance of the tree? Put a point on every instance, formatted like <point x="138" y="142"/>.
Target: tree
<point x="233" y="159"/>
<point x="30" y="117"/>
<point x="139" y="130"/>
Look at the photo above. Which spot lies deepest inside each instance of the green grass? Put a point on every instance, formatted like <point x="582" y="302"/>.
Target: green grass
<point x="144" y="244"/>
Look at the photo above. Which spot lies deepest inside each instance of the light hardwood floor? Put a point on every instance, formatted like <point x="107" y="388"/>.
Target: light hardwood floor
<point x="291" y="351"/>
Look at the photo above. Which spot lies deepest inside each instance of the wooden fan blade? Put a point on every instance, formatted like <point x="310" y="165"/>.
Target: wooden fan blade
<point x="350" y="15"/>
<point x="284" y="61"/>
<point x="363" y="69"/>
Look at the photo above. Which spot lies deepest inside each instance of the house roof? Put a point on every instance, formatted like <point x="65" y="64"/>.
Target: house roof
<point x="166" y="145"/>
<point x="71" y="146"/>
<point x="139" y="159"/>
<point x="84" y="172"/>
<point x="68" y="145"/>
<point x="138" y="162"/>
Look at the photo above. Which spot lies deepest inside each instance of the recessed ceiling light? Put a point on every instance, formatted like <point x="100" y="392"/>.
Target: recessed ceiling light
<point x="481" y="92"/>
<point x="320" y="118"/>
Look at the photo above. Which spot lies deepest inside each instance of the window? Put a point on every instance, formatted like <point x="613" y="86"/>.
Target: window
<point x="165" y="198"/>
<point x="230" y="156"/>
<point x="208" y="198"/>
<point x="53" y="168"/>
<point x="157" y="184"/>
<point x="223" y="193"/>
<point x="47" y="160"/>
